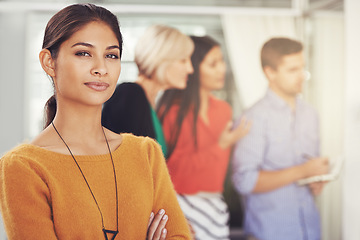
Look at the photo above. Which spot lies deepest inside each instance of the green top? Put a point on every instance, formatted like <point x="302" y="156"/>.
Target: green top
<point x="158" y="131"/>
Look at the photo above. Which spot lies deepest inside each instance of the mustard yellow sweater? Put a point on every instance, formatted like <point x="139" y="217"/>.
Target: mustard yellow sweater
<point x="43" y="196"/>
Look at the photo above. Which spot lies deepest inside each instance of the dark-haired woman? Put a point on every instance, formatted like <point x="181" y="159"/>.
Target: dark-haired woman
<point x="76" y="179"/>
<point x="197" y="128"/>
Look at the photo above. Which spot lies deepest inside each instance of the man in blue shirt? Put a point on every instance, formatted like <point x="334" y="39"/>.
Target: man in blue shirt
<point x="281" y="148"/>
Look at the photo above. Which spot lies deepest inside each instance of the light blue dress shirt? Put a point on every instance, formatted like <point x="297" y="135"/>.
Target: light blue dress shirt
<point x="279" y="138"/>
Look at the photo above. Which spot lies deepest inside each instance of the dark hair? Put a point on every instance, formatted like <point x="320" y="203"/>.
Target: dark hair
<point x="276" y="48"/>
<point x="188" y="99"/>
<point x="63" y="25"/>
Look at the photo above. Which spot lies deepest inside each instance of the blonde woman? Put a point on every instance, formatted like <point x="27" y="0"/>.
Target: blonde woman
<point x="162" y="56"/>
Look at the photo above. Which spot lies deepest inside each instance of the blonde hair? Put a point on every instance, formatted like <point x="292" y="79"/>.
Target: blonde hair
<point x="158" y="47"/>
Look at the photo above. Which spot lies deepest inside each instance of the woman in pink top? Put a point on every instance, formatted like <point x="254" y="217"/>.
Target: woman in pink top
<point x="197" y="129"/>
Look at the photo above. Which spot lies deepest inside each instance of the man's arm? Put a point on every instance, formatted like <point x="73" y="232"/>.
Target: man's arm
<point x="249" y="154"/>
<point x="271" y="180"/>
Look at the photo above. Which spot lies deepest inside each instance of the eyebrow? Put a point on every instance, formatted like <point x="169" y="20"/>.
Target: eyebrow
<point x="92" y="46"/>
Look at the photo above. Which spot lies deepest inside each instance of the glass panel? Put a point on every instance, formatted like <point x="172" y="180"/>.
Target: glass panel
<point x="327" y="5"/>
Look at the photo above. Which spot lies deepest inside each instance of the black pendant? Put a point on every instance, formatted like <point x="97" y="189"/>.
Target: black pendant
<point x="111" y="232"/>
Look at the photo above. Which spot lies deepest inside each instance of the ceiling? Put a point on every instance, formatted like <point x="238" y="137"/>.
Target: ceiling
<point x="336" y="5"/>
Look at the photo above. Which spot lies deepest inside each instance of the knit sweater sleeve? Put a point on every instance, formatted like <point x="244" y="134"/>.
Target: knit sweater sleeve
<point x="165" y="195"/>
<point x="24" y="200"/>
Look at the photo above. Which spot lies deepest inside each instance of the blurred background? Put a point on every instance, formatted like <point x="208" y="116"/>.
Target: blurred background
<point x="328" y="28"/>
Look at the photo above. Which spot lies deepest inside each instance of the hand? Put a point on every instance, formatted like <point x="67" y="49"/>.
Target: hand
<point x="316" y="166"/>
<point x="316" y="187"/>
<point x="228" y="137"/>
<point x="156" y="226"/>
<point x="192" y="232"/>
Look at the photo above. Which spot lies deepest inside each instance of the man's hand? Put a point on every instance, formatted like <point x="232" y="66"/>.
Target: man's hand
<point x="316" y="166"/>
<point x="316" y="187"/>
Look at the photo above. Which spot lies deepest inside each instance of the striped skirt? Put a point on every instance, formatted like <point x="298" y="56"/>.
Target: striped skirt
<point x="208" y="215"/>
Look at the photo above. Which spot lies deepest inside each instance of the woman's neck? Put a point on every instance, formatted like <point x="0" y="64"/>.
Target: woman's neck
<point x="79" y="122"/>
<point x="80" y="127"/>
<point x="151" y="88"/>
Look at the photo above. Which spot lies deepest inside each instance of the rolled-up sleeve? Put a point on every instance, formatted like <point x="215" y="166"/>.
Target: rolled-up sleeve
<point x="248" y="155"/>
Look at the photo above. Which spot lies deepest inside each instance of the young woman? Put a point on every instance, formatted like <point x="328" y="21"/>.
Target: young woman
<point x="162" y="55"/>
<point x="197" y="128"/>
<point x="76" y="179"/>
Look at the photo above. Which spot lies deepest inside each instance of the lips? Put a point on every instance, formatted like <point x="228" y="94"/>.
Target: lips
<point x="97" y="86"/>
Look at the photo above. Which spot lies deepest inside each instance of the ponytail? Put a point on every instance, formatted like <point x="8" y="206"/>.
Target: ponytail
<point x="50" y="110"/>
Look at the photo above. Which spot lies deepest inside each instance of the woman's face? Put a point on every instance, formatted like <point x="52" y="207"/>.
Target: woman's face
<point x="88" y="65"/>
<point x="212" y="70"/>
<point x="176" y="73"/>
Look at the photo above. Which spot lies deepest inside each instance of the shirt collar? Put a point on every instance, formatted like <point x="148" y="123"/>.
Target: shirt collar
<point x="278" y="101"/>
<point x="274" y="99"/>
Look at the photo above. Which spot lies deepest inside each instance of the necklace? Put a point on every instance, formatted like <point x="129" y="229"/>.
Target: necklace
<point x="105" y="231"/>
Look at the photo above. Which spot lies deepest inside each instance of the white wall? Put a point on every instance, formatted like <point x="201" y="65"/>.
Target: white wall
<point x="351" y="193"/>
<point x="326" y="92"/>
